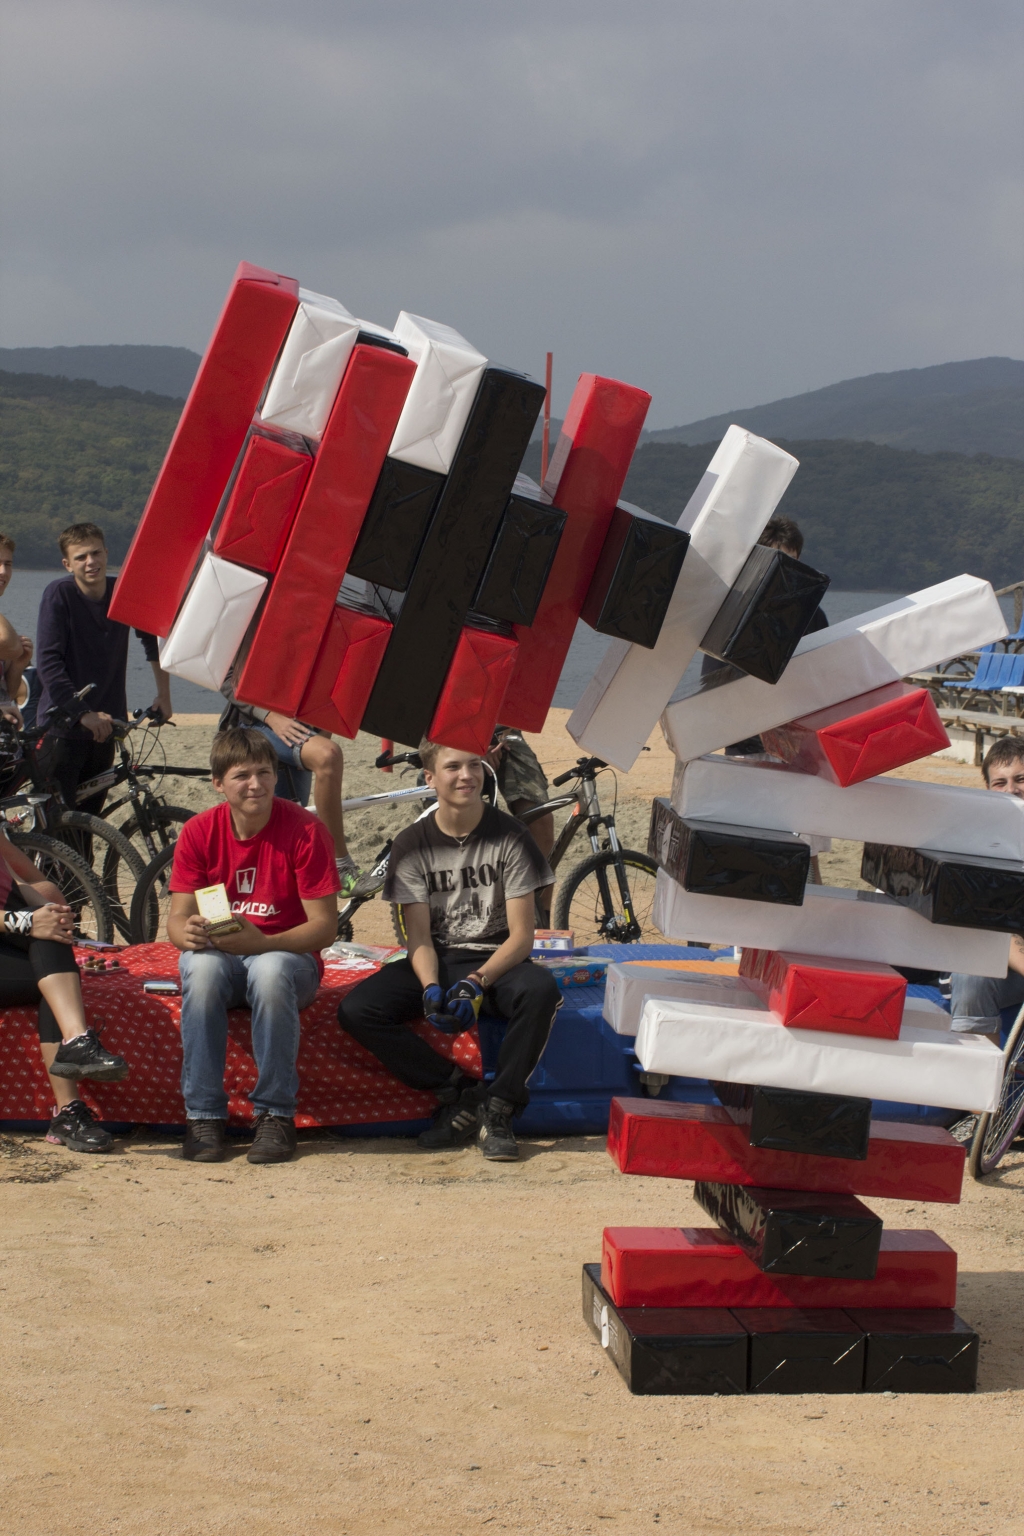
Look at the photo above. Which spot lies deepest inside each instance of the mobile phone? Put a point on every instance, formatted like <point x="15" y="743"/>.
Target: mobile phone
<point x="162" y="988"/>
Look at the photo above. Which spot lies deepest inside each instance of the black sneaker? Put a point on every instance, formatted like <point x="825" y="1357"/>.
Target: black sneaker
<point x="497" y="1142"/>
<point x="86" y="1056"/>
<point x="275" y="1139"/>
<point x="454" y="1123"/>
<point x="75" y="1127"/>
<point x="204" y="1141"/>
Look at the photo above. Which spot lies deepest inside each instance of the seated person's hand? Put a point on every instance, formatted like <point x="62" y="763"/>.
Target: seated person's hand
<point x="463" y="1002"/>
<point x="289" y="730"/>
<point x="27" y="648"/>
<point x="195" y="934"/>
<point x="55" y="921"/>
<point x="433" y="1008"/>
<point x="248" y="941"/>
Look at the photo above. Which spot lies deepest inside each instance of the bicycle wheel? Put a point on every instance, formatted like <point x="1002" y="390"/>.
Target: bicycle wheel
<point x="121" y="866"/>
<point x="994" y="1132"/>
<point x="589" y="901"/>
<point x="167" y="823"/>
<point x="57" y="861"/>
<point x="152" y="900"/>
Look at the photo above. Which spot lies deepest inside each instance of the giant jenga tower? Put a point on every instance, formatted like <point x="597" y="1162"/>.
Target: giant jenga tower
<point x="795" y="1285"/>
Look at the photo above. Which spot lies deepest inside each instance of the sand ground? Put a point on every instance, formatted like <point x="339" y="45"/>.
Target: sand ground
<point x="171" y="1366"/>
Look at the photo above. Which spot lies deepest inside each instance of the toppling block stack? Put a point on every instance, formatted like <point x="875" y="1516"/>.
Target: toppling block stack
<point x="798" y="1287"/>
<point x="340" y="522"/>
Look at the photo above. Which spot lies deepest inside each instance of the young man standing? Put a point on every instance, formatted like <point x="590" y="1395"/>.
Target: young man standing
<point x="78" y="644"/>
<point x="276" y="861"/>
<point x="976" y="1001"/>
<point x="465" y="878"/>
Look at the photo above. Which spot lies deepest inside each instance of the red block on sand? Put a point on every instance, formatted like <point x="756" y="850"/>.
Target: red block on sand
<point x="346" y="468"/>
<point x="206" y="442"/>
<point x="585" y="478"/>
<point x="478" y="678"/>
<point x="263" y="501"/>
<point x="704" y="1267"/>
<point x="344" y="672"/>
<point x="862" y="737"/>
<point x="700" y="1141"/>
<point x="848" y="997"/>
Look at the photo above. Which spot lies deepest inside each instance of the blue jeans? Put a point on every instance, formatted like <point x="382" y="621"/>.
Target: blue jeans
<point x="275" y="986"/>
<point x="976" y="1002"/>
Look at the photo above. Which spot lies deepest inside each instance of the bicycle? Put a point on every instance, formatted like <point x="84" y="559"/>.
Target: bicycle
<point x="996" y="1131"/>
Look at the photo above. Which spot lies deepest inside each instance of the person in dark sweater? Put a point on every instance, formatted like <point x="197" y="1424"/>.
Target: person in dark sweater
<point x="76" y="643"/>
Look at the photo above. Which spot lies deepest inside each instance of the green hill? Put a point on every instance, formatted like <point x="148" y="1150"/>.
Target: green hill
<point x="165" y="370"/>
<point x="875" y="517"/>
<point x="970" y="407"/>
<point x="71" y="451"/>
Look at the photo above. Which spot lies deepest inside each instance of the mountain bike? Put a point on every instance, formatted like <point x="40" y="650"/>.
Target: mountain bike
<point x="995" y="1132"/>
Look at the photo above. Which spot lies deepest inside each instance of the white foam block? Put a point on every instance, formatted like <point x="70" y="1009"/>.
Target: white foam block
<point x="838" y="663"/>
<point x="904" y="812"/>
<point x="838" y="923"/>
<point x="630" y="984"/>
<point x="444" y="386"/>
<point x="724" y="517"/>
<point x="924" y="1066"/>
<point x="212" y="622"/>
<point x="310" y="368"/>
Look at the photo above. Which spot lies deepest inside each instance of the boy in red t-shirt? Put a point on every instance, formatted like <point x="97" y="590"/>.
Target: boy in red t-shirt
<point x="276" y="861"/>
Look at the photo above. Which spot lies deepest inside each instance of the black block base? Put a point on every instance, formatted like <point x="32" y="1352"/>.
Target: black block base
<point x="715" y="860"/>
<point x="766" y="613"/>
<point x="789" y="1232"/>
<point x="918" y="1351"/>
<point x="790" y="1120"/>
<point x="696" y="1351"/>
<point x="798" y="1350"/>
<point x="955" y="889"/>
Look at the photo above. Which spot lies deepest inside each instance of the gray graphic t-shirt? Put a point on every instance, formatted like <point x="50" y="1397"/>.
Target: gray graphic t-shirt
<point x="466" y="884"/>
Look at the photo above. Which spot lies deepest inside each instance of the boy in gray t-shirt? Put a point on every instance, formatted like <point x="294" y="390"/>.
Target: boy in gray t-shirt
<point x="465" y="878"/>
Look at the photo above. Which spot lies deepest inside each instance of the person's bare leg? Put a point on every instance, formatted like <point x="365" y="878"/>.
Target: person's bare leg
<point x="63" y="992"/>
<point x="323" y="758"/>
<point x="543" y="833"/>
<point x="64" y="1089"/>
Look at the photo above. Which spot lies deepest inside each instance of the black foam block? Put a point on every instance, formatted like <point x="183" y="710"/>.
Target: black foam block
<point x="766" y="613"/>
<point x="395" y="524"/>
<point x="520" y="561"/>
<point x="918" y="1351"/>
<point x="453" y="556"/>
<point x="949" y="888"/>
<point x="795" y="1349"/>
<point x="720" y="860"/>
<point x="636" y="574"/>
<point x="792" y="1232"/>
<point x="695" y="1351"/>
<point x="792" y="1120"/>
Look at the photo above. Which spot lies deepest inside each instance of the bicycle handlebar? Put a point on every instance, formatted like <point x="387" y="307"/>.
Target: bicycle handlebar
<point x="388" y="759"/>
<point x="585" y="768"/>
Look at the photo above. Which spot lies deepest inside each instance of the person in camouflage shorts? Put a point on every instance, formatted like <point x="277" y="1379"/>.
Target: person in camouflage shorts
<point x="523" y="785"/>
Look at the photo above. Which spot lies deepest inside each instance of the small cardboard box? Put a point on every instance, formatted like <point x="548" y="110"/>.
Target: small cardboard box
<point x="214" y="905"/>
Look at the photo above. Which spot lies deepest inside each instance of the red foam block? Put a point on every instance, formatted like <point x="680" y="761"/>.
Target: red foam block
<point x="346" y="469"/>
<point x="700" y="1141"/>
<point x="847" y="997"/>
<point x="862" y="737"/>
<point x="477" y="680"/>
<point x="344" y="672"/>
<point x="263" y="501"/>
<point x="704" y="1267"/>
<point x="585" y="478"/>
<point x="206" y="442"/>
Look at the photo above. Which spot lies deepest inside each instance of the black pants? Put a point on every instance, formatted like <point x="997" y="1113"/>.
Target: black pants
<point x="24" y="962"/>
<point x="70" y="759"/>
<point x="378" y="1010"/>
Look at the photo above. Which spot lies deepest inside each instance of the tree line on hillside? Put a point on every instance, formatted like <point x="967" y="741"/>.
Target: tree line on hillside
<point x="874" y="517"/>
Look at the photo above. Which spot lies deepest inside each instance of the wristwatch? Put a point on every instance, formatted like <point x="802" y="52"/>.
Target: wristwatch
<point x="482" y="981"/>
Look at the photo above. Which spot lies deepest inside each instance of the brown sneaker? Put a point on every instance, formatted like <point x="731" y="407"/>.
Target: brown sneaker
<point x="275" y="1139"/>
<point x="204" y="1141"/>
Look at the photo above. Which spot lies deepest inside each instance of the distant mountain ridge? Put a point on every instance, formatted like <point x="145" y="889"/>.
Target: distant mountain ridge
<point x="969" y="407"/>
<point x="151" y="370"/>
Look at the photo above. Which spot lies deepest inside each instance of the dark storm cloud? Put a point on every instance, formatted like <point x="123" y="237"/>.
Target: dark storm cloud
<point x="722" y="200"/>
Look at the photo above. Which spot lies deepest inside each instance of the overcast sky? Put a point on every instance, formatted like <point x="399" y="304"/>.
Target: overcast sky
<point x="724" y="201"/>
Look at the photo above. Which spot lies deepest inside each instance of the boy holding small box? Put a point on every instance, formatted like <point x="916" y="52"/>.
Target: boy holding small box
<point x="253" y="902"/>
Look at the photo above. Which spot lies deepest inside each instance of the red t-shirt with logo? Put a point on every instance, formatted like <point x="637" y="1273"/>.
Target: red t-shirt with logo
<point x="265" y="876"/>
